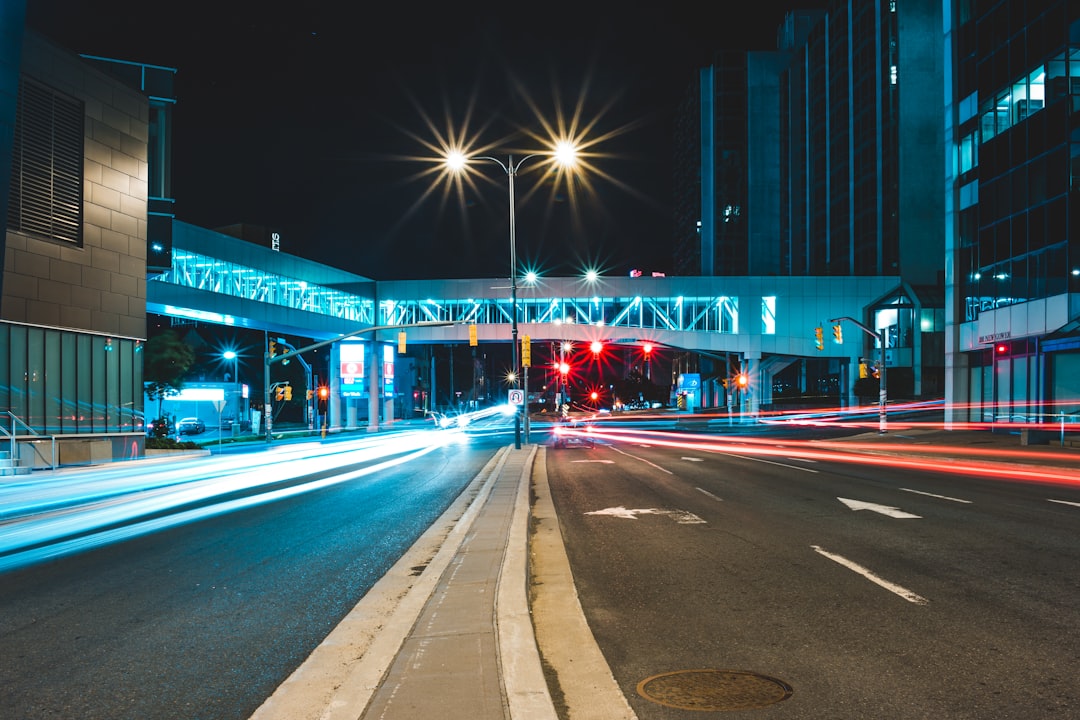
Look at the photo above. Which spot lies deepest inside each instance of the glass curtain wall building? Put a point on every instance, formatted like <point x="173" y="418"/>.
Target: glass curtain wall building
<point x="1013" y="201"/>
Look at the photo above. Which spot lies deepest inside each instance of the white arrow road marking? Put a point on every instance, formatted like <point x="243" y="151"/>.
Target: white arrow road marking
<point x="680" y="516"/>
<point x="703" y="491"/>
<point x="602" y="462"/>
<point x="891" y="587"/>
<point x="883" y="509"/>
<point x="940" y="497"/>
<point x="1065" y="502"/>
<point x="693" y="459"/>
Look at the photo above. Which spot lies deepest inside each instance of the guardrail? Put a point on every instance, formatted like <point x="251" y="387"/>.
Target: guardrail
<point x="10" y="431"/>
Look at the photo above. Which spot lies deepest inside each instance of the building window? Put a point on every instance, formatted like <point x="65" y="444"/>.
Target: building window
<point x="47" y="164"/>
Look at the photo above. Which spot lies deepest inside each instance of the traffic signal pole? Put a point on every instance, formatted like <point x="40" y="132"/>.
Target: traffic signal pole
<point x="882" y="394"/>
<point x="269" y="360"/>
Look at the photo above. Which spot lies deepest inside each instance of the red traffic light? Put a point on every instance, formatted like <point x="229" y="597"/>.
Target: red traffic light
<point x="596" y="347"/>
<point x="647" y="348"/>
<point x="324" y="392"/>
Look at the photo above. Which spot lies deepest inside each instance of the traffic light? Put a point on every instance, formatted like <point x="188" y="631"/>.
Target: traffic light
<point x="864" y="371"/>
<point x="472" y="335"/>
<point x="401" y="343"/>
<point x="288" y="392"/>
<point x="741" y="380"/>
<point x="596" y="347"/>
<point x="819" y="338"/>
<point x="838" y="334"/>
<point x="564" y="368"/>
<point x="724" y="382"/>
<point x="647" y="349"/>
<point x="273" y="348"/>
<point x="324" y="392"/>
<point x="310" y="394"/>
<point x="526" y="351"/>
<point x="279" y="393"/>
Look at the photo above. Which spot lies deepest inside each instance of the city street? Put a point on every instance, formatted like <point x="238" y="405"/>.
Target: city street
<point x="851" y="590"/>
<point x="206" y="617"/>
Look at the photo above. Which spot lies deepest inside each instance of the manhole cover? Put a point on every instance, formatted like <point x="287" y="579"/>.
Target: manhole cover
<point x="713" y="690"/>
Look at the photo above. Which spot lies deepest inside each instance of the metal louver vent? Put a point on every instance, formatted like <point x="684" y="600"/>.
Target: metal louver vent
<point x="47" y="164"/>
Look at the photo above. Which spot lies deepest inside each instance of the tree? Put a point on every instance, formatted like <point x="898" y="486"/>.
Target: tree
<point x="166" y="360"/>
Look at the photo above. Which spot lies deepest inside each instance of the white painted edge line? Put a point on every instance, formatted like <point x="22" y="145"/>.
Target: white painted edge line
<point x="584" y="677"/>
<point x="939" y="497"/>
<point x="1064" y="502"/>
<point x="341" y="675"/>
<point x="705" y="492"/>
<point x="855" y="567"/>
<point x="770" y="462"/>
<point x="522" y="673"/>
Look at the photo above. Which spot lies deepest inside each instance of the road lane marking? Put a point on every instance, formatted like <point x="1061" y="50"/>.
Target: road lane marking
<point x="642" y="460"/>
<point x="770" y="462"/>
<point x="602" y="462"/>
<point x="693" y="459"/>
<point x="855" y="567"/>
<point x="1065" y="502"/>
<point x="892" y="512"/>
<point x="940" y="497"/>
<point x="682" y="517"/>
<point x="703" y="491"/>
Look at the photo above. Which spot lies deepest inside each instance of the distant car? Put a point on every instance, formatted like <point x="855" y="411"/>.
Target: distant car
<point x="190" y="426"/>
<point x="563" y="434"/>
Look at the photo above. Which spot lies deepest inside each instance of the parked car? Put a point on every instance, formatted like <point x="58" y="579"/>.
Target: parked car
<point x="190" y="426"/>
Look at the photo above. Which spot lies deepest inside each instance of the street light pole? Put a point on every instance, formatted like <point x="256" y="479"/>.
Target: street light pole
<point x="511" y="171"/>
<point x="564" y="154"/>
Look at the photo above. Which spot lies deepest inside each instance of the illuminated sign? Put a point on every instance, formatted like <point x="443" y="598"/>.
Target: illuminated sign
<point x="195" y="394"/>
<point x="352" y="363"/>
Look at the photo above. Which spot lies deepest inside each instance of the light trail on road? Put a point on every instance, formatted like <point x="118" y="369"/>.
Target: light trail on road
<point x="954" y="460"/>
<point x="58" y="516"/>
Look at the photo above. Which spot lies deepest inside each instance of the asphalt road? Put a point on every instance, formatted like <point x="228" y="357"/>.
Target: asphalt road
<point x="687" y="559"/>
<point x="205" y="620"/>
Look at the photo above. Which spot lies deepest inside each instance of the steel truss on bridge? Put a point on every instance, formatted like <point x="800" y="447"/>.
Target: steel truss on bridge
<point x="694" y="314"/>
<point x="719" y="314"/>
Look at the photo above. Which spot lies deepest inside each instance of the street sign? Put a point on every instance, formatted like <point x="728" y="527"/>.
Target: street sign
<point x="517" y="397"/>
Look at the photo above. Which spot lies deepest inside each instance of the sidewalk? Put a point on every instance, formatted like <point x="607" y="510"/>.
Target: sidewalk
<point x="447" y="632"/>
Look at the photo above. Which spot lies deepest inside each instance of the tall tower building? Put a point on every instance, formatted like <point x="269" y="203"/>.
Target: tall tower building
<point x="820" y="159"/>
<point x="1013" y="211"/>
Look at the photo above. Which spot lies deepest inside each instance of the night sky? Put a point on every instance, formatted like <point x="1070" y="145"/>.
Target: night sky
<point x="311" y="118"/>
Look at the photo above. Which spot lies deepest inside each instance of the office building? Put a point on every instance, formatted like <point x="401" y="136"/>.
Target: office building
<point x="820" y="159"/>
<point x="1012" y="199"/>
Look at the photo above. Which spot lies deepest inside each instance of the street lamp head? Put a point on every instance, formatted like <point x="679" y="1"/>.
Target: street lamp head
<point x="456" y="160"/>
<point x="229" y="354"/>
<point x="565" y="153"/>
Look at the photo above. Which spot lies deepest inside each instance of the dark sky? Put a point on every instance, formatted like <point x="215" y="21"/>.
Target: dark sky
<point x="303" y="116"/>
